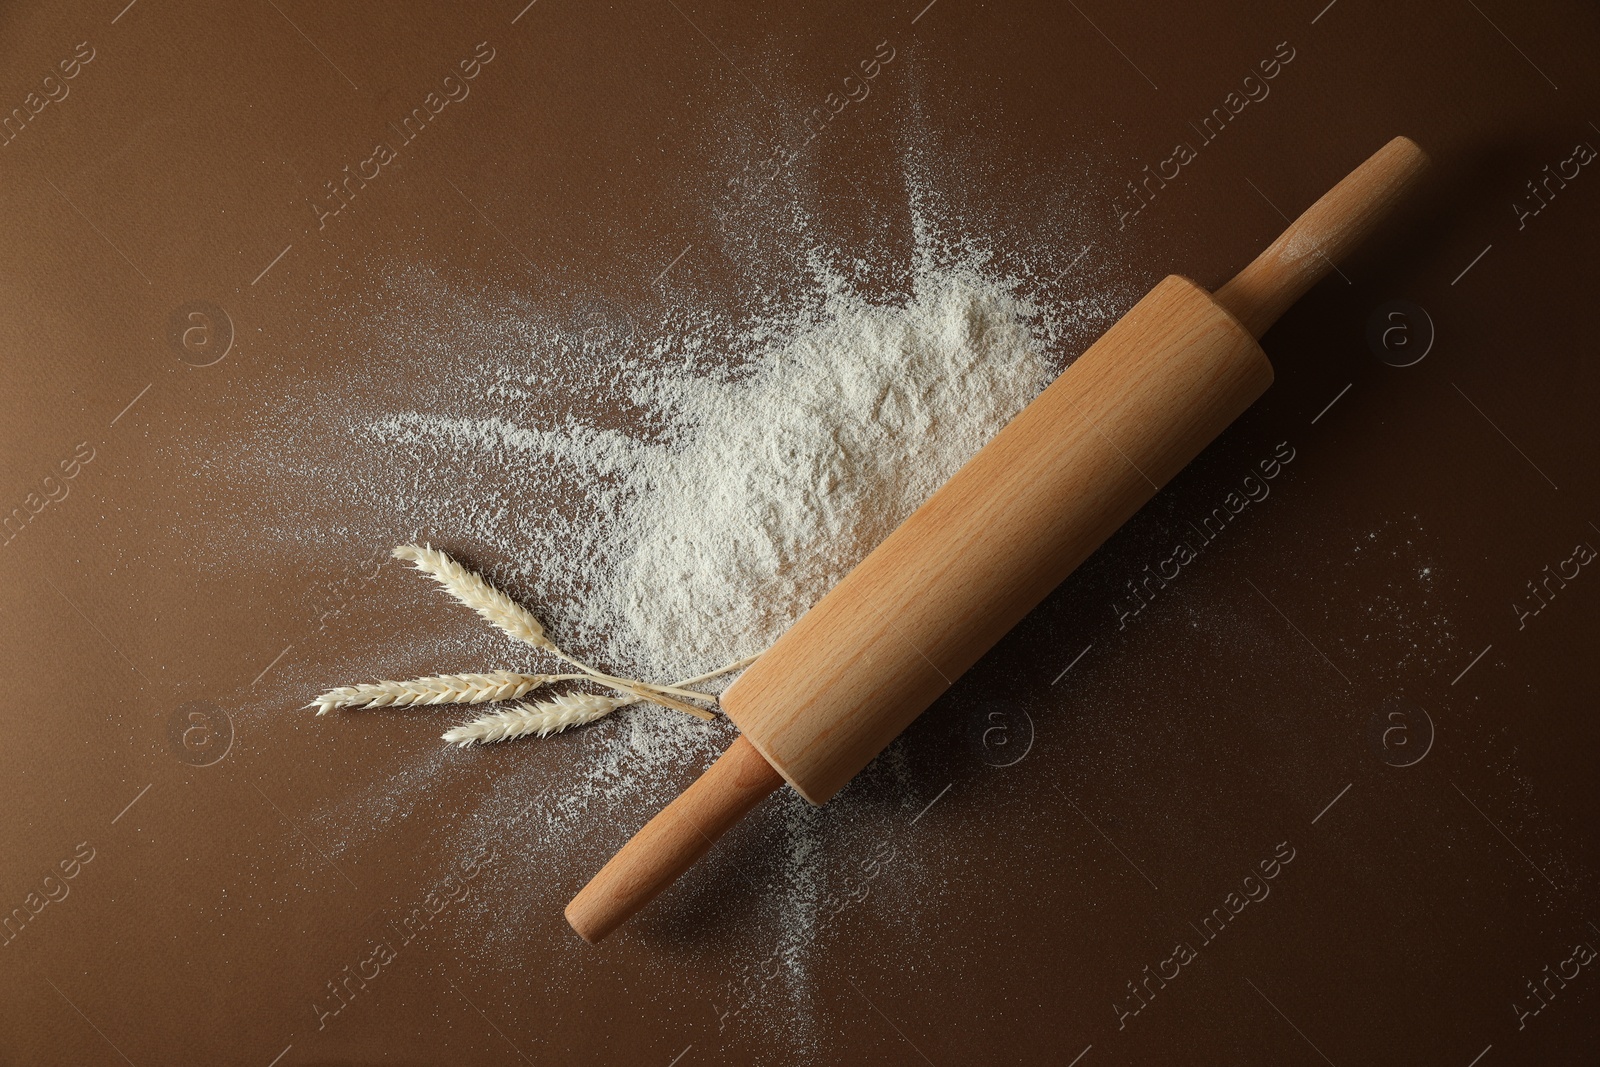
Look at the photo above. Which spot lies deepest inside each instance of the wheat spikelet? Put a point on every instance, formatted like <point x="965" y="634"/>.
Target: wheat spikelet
<point x="543" y="719"/>
<point x="436" y="689"/>
<point x="472" y="590"/>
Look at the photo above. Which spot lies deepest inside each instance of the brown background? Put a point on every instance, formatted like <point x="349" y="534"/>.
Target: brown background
<point x="1172" y="756"/>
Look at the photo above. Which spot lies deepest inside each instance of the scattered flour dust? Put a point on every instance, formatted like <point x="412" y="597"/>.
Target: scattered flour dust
<point x="773" y="480"/>
<point x="666" y="501"/>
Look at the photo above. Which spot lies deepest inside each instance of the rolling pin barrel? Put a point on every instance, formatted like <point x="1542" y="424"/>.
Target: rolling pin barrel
<point x="991" y="543"/>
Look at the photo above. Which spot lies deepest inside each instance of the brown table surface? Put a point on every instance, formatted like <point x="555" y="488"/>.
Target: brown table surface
<point x="1354" y="676"/>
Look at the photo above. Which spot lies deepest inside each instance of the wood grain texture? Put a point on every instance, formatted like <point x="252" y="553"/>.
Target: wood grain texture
<point x="671" y="842"/>
<point x="1001" y="534"/>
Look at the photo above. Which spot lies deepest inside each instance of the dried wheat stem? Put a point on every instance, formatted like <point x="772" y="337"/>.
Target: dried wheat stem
<point x="498" y="609"/>
<point x="718" y="673"/>
<point x="553" y="716"/>
<point x="656" y="694"/>
<point x="676" y="688"/>
<point x="544" y="718"/>
<point x="631" y="684"/>
<point x="436" y="689"/>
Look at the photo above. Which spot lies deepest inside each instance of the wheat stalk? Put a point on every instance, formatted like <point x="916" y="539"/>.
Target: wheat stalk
<point x="544" y="718"/>
<point x="512" y="618"/>
<point x="718" y="673"/>
<point x="553" y="716"/>
<point x="436" y="689"/>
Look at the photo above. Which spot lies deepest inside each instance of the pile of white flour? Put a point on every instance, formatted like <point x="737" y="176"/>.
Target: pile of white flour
<point x="771" y="474"/>
<point x="792" y="475"/>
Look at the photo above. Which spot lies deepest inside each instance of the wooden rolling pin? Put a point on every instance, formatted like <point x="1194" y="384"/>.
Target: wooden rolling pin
<point x="969" y="563"/>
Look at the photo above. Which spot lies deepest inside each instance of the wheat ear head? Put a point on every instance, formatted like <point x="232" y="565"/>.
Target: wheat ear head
<point x="544" y="718"/>
<point x="436" y="689"/>
<point x="472" y="590"/>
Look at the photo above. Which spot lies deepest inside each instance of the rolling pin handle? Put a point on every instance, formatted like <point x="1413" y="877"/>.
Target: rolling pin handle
<point x="1327" y="232"/>
<point x="673" y="841"/>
